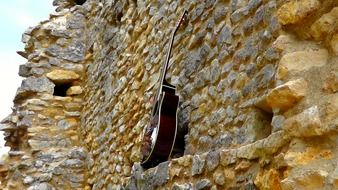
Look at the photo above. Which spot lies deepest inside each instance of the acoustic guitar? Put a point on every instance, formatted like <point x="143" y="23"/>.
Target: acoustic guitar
<point x="159" y="137"/>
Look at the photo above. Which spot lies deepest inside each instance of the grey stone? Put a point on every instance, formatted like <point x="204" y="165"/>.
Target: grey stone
<point x="77" y="21"/>
<point x="75" y="178"/>
<point x="215" y="71"/>
<point x="64" y="124"/>
<point x="53" y="50"/>
<point x="212" y="160"/>
<point x="162" y="174"/>
<point x="225" y="36"/>
<point x="209" y="3"/>
<point x="41" y="84"/>
<point x="41" y="186"/>
<point x="78" y="153"/>
<point x="203" y="184"/>
<point x="74" y="52"/>
<point x="225" y="140"/>
<point x="197" y="165"/>
<point x="24" y="70"/>
<point x="277" y="122"/>
<point x="266" y="74"/>
<point x="197" y="12"/>
<point x="217" y="117"/>
<point x="248" y="25"/>
<point x="220" y="13"/>
<point x="259" y="15"/>
<point x="232" y="77"/>
<point x="28" y="180"/>
<point x="271" y="54"/>
<point x="239" y="14"/>
<point x="192" y="62"/>
<point x="73" y="163"/>
<point x="205" y="143"/>
<point x="26" y="121"/>
<point x="45" y="177"/>
<point x="253" y="5"/>
<point x="185" y="186"/>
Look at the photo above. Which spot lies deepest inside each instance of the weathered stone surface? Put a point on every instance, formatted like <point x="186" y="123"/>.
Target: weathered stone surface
<point x="41" y="186"/>
<point x="197" y="165"/>
<point x="305" y="124"/>
<point x="334" y="44"/>
<point x="74" y="90"/>
<point x="203" y="184"/>
<point x="62" y="76"/>
<point x="181" y="186"/>
<point x="268" y="180"/>
<point x="295" y="11"/>
<point x="36" y="85"/>
<point x="222" y="62"/>
<point x="284" y="96"/>
<point x="331" y="83"/>
<point x="162" y="174"/>
<point x="227" y="157"/>
<point x="301" y="61"/>
<point x="219" y="178"/>
<point x="66" y="124"/>
<point x="325" y="25"/>
<point x="212" y="160"/>
<point x="306" y="179"/>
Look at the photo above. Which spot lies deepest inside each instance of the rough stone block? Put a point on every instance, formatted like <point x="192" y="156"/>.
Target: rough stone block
<point x="334" y="44"/>
<point x="331" y="83"/>
<point x="325" y="25"/>
<point x="299" y="61"/>
<point x="268" y="180"/>
<point x="74" y="90"/>
<point x="287" y="95"/>
<point x="305" y="124"/>
<point x="203" y="184"/>
<point x="295" y="11"/>
<point x="62" y="76"/>
<point x="197" y="165"/>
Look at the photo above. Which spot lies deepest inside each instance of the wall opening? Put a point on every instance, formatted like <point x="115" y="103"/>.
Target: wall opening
<point x="61" y="89"/>
<point x="79" y="2"/>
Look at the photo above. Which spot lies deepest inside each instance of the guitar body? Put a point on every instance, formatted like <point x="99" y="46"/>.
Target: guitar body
<point x="164" y="129"/>
<point x="159" y="137"/>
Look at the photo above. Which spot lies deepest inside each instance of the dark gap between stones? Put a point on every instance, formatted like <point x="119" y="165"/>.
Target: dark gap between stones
<point x="61" y="89"/>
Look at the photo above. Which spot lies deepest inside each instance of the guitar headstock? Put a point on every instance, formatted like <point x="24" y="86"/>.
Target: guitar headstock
<point x="182" y="19"/>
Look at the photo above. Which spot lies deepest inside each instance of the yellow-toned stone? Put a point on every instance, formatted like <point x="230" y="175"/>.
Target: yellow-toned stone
<point x="305" y="179"/>
<point x="311" y="154"/>
<point x="243" y="165"/>
<point x="295" y="11"/>
<point x="229" y="175"/>
<point x="331" y="83"/>
<point x="325" y="25"/>
<point x="285" y="96"/>
<point x="334" y="44"/>
<point x="305" y="124"/>
<point x="301" y="61"/>
<point x="62" y="76"/>
<point x="219" y="177"/>
<point x="74" y="90"/>
<point x="268" y="180"/>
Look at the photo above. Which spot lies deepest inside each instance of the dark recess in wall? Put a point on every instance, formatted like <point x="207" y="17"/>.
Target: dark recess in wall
<point x="79" y="2"/>
<point x="61" y="89"/>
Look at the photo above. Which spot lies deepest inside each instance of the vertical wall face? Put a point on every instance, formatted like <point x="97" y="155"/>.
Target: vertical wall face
<point x="257" y="82"/>
<point x="44" y="129"/>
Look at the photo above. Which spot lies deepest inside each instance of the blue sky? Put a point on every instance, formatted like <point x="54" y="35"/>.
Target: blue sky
<point x="15" y="17"/>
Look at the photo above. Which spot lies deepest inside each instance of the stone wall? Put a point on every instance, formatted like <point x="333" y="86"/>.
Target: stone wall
<point x="257" y="81"/>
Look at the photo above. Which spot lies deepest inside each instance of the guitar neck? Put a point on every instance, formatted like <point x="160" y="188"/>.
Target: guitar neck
<point x="166" y="63"/>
